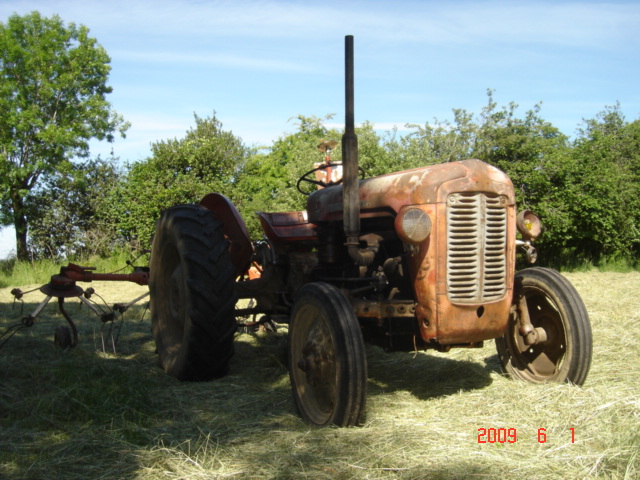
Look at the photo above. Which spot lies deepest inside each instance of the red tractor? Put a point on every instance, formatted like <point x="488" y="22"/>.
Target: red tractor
<point x="423" y="258"/>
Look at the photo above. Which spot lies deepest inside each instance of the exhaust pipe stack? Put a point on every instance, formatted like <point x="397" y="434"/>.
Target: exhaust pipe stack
<point x="350" y="192"/>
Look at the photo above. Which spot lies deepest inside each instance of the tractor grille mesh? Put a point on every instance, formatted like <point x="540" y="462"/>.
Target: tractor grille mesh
<point x="476" y="247"/>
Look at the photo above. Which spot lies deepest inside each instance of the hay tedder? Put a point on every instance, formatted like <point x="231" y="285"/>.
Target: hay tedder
<point x="417" y="259"/>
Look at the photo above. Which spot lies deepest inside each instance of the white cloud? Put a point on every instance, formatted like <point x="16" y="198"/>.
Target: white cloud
<point x="263" y="61"/>
<point x="209" y="59"/>
<point x="146" y="128"/>
<point x="567" y="23"/>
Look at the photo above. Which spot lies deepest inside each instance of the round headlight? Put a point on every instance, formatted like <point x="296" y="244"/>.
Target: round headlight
<point x="528" y="225"/>
<point x="414" y="225"/>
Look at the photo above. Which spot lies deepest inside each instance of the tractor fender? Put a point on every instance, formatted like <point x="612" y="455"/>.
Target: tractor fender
<point x="234" y="228"/>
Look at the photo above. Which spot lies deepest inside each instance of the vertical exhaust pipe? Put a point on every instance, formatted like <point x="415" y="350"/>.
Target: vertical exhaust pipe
<point x="350" y="191"/>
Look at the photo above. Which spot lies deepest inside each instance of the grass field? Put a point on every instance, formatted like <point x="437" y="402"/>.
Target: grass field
<point x="87" y="414"/>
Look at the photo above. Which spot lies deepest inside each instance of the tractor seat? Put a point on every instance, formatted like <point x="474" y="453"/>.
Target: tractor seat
<point x="285" y="227"/>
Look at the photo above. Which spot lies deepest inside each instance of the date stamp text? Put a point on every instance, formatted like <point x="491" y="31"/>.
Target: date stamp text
<point x="510" y="435"/>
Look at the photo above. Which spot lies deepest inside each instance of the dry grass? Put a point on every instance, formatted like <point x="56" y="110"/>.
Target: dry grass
<point x="87" y="414"/>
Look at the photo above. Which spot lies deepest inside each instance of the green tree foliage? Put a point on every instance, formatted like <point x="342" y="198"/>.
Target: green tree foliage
<point x="603" y="195"/>
<point x="376" y="155"/>
<point x="269" y="180"/>
<point x="53" y="87"/>
<point x="534" y="154"/>
<point x="69" y="214"/>
<point x="441" y="141"/>
<point x="522" y="147"/>
<point x="585" y="190"/>
<point x="207" y="159"/>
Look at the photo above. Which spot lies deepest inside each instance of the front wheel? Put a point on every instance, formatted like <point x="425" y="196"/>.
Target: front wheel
<point x="556" y="310"/>
<point x="192" y="287"/>
<point x="327" y="359"/>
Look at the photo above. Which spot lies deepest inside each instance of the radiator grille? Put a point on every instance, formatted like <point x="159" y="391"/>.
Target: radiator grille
<point x="476" y="247"/>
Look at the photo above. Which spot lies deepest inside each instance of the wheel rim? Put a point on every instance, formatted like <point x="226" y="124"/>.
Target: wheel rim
<point x="542" y="361"/>
<point x="314" y="364"/>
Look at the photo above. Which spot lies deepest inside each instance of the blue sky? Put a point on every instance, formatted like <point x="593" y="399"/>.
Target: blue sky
<point x="257" y="64"/>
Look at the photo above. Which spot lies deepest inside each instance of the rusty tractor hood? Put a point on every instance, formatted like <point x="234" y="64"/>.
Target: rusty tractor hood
<point x="424" y="185"/>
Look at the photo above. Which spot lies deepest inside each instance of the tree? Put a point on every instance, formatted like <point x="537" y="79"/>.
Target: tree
<point x="534" y="153"/>
<point x="69" y="214"/>
<point x="441" y="141"/>
<point x="53" y="87"/>
<point x="268" y="181"/>
<point x="207" y="159"/>
<point x="605" y="194"/>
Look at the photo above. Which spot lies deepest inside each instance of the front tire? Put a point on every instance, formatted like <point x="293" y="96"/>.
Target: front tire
<point x="327" y="359"/>
<point x="555" y="306"/>
<point x="192" y="289"/>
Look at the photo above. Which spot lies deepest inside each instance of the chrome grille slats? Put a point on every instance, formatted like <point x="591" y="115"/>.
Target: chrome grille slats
<point x="476" y="247"/>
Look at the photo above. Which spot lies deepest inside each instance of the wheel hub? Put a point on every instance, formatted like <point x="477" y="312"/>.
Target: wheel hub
<point x="316" y="363"/>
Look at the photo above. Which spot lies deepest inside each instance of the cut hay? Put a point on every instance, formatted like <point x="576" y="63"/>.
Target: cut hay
<point x="84" y="413"/>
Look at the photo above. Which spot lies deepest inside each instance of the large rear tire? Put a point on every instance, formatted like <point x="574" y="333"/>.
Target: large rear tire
<point x="555" y="306"/>
<point x="193" y="298"/>
<point x="327" y="359"/>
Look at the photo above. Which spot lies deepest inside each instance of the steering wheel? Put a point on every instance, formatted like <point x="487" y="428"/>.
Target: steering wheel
<point x="309" y="177"/>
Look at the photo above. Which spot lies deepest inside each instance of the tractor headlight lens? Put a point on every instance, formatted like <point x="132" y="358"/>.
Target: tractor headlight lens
<point x="528" y="225"/>
<point x="413" y="225"/>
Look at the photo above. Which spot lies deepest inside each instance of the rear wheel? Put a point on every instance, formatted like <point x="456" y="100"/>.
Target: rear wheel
<point x="192" y="294"/>
<point x="554" y="306"/>
<point x="327" y="359"/>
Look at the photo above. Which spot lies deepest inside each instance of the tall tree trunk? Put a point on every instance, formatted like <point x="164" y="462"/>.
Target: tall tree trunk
<point x="21" y="226"/>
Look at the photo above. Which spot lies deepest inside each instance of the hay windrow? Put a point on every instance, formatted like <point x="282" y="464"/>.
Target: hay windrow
<point x="85" y="413"/>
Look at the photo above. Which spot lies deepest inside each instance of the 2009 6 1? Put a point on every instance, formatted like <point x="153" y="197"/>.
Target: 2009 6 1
<point x="510" y="435"/>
